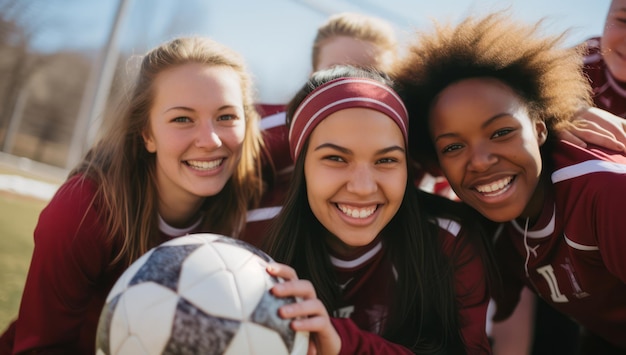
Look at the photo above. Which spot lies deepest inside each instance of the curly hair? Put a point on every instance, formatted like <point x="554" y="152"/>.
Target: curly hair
<point x="546" y="75"/>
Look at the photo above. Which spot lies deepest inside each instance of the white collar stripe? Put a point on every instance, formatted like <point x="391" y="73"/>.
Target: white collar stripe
<point x="587" y="167"/>
<point x="350" y="264"/>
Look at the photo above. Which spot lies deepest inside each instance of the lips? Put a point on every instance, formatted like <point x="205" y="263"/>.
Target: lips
<point x="204" y="165"/>
<point x="357" y="212"/>
<point x="495" y="188"/>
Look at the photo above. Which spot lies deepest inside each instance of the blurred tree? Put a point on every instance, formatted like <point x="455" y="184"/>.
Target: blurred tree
<point x="16" y="63"/>
<point x="52" y="84"/>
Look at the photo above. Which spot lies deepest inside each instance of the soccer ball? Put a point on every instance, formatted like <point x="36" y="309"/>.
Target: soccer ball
<point x="197" y="294"/>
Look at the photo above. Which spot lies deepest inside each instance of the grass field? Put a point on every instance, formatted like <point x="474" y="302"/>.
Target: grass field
<point x="18" y="217"/>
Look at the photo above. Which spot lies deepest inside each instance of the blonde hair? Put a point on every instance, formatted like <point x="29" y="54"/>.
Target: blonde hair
<point x="358" y="26"/>
<point x="125" y="171"/>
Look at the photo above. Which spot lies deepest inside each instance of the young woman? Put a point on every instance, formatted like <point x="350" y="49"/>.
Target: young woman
<point x="345" y="38"/>
<point x="181" y="157"/>
<point x="394" y="267"/>
<point x="487" y="98"/>
<point x="604" y="62"/>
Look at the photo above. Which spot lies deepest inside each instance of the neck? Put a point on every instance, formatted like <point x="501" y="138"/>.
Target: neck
<point x="181" y="215"/>
<point x="534" y="206"/>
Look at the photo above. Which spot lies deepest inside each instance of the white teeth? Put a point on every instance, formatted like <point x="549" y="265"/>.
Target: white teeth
<point x="205" y="165"/>
<point x="494" y="186"/>
<point x="357" y="212"/>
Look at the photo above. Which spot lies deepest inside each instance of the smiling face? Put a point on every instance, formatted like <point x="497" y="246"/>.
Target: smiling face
<point x="196" y="130"/>
<point x="488" y="148"/>
<point x="356" y="174"/>
<point x="613" y="41"/>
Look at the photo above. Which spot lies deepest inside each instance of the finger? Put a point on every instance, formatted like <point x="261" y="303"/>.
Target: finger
<point x="600" y="137"/>
<point x="312" y="350"/>
<point x="591" y="127"/>
<point x="295" y="288"/>
<point x="304" y="309"/>
<point x="282" y="271"/>
<point x="570" y="137"/>
<point x="614" y="124"/>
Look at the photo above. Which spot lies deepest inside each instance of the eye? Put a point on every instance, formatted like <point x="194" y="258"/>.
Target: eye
<point x="181" y="119"/>
<point x="502" y="132"/>
<point x="333" y="158"/>
<point x="227" y="117"/>
<point x="451" y="148"/>
<point x="388" y="160"/>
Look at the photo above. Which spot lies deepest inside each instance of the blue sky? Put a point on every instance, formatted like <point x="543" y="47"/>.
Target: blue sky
<point x="275" y="35"/>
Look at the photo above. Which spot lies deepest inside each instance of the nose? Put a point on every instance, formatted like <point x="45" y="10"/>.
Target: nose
<point x="362" y="181"/>
<point x="482" y="159"/>
<point x="207" y="136"/>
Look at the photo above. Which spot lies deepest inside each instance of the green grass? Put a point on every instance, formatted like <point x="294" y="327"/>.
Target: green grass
<point x="18" y="217"/>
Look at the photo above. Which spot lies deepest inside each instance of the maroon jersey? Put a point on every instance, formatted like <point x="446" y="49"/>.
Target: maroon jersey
<point x="69" y="276"/>
<point x="608" y="93"/>
<point x="259" y="220"/>
<point x="276" y="140"/>
<point x="573" y="256"/>
<point x="367" y="280"/>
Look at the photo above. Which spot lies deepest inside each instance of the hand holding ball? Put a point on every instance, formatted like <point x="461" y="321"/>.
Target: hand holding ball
<point x="197" y="294"/>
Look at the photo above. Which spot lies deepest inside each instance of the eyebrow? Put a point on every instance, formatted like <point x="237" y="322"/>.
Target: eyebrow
<point x="189" y="109"/>
<point x="182" y="108"/>
<point x="485" y="124"/>
<point x="348" y="151"/>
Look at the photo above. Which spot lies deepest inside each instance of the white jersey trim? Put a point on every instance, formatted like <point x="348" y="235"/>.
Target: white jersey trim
<point x="541" y="233"/>
<point x="453" y="227"/>
<point x="349" y="264"/>
<point x="587" y="167"/>
<point x="275" y="120"/>
<point x="262" y="214"/>
<point x="582" y="247"/>
<point x="177" y="232"/>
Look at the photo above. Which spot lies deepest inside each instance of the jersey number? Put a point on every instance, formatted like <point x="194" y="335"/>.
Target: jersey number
<point x="548" y="273"/>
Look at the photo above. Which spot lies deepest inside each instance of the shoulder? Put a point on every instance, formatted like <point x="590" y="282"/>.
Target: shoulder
<point x="75" y="191"/>
<point x="73" y="206"/>
<point x="572" y="162"/>
<point x="72" y="226"/>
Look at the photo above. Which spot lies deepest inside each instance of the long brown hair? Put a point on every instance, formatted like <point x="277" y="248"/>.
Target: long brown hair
<point x="125" y="171"/>
<point x="423" y="314"/>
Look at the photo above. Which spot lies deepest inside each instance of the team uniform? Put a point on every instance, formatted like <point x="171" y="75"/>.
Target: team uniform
<point x="573" y="256"/>
<point x="69" y="276"/>
<point x="366" y="282"/>
<point x="608" y="93"/>
<point x="276" y="140"/>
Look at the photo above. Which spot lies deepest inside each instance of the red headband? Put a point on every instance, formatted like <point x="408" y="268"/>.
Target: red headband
<point x="340" y="94"/>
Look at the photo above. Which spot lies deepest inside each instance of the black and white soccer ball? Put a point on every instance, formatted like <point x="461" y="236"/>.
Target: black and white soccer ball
<point x="197" y="294"/>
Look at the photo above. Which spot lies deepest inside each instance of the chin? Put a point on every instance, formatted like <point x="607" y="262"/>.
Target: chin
<point x="500" y="217"/>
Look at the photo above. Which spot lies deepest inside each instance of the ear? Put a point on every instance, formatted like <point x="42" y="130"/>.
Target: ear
<point x="148" y="141"/>
<point x="542" y="132"/>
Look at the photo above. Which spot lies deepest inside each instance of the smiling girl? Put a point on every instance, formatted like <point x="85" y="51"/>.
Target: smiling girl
<point x="394" y="267"/>
<point x="181" y="157"/>
<point x="487" y="99"/>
